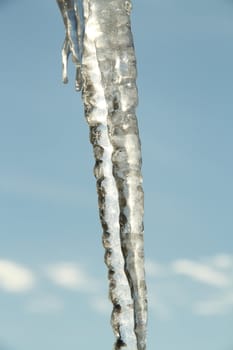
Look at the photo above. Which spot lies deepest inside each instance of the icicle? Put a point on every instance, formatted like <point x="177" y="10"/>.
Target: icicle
<point x="70" y="14"/>
<point x="108" y="70"/>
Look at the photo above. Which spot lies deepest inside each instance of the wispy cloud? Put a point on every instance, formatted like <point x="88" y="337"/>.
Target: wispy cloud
<point x="200" y="272"/>
<point x="71" y="276"/>
<point x="159" y="305"/>
<point x="15" y="278"/>
<point x="222" y="261"/>
<point x="100" y="304"/>
<point x="154" y="269"/>
<point x="37" y="189"/>
<point x="45" y="304"/>
<point x="219" y="305"/>
<point x="211" y="292"/>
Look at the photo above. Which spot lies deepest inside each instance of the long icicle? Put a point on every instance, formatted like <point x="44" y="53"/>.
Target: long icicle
<point x="108" y="75"/>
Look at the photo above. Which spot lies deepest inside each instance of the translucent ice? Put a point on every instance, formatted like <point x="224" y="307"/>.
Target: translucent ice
<point x="101" y="45"/>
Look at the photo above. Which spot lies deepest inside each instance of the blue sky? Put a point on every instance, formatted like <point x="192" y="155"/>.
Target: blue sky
<point x="53" y="284"/>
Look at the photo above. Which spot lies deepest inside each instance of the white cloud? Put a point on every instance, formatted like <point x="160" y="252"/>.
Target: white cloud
<point x="166" y="295"/>
<point x="15" y="278"/>
<point x="71" y="276"/>
<point x="201" y="272"/>
<point x="45" y="304"/>
<point x="223" y="261"/>
<point x="220" y="305"/>
<point x="101" y="305"/>
<point x="153" y="269"/>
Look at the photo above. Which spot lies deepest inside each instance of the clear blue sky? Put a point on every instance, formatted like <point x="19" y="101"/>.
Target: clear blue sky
<point x="53" y="284"/>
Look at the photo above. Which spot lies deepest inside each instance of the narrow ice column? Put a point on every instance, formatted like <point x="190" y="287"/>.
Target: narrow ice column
<point x="108" y="74"/>
<point x="96" y="112"/>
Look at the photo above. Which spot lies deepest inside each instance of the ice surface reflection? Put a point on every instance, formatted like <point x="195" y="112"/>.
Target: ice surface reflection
<point x="108" y="75"/>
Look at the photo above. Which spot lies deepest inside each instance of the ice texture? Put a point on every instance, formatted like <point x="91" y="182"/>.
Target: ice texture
<point x="73" y="39"/>
<point x="108" y="73"/>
